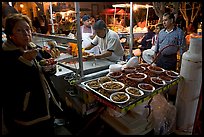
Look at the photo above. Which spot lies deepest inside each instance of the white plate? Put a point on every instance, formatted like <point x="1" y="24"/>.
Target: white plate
<point x="111" y="74"/>
<point x="137" y="79"/>
<point x="104" y="79"/>
<point x="118" y="95"/>
<point x="156" y="71"/>
<point x="134" y="90"/>
<point x="165" y="78"/>
<point x="146" y="84"/>
<point x="94" y="84"/>
<point x="107" y="86"/>
<point x="129" y="69"/>
<point x="172" y="74"/>
<point x="140" y="68"/>
<point x="157" y="78"/>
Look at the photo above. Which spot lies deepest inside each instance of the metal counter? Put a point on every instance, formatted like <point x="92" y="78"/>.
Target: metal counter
<point x="89" y="66"/>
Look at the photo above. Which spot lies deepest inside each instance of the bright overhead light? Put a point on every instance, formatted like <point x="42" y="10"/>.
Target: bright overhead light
<point x="21" y="5"/>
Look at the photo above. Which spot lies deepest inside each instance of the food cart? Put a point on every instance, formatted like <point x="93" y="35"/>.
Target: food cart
<point x="122" y="115"/>
<point x="86" y="100"/>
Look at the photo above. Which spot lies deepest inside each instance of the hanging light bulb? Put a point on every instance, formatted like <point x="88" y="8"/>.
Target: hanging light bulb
<point x="21" y="5"/>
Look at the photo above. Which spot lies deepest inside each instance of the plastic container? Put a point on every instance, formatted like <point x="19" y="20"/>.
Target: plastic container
<point x="115" y="67"/>
<point x="133" y="62"/>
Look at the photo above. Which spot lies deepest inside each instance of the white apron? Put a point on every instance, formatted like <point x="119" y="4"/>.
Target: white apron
<point x="86" y="41"/>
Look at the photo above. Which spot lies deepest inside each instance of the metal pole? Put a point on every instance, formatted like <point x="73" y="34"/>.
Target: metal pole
<point x="79" y="38"/>
<point x="131" y="30"/>
<point x="51" y="19"/>
<point x="147" y="16"/>
<point x="114" y="16"/>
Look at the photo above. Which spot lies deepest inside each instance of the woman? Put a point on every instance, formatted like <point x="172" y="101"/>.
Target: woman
<point x="27" y="95"/>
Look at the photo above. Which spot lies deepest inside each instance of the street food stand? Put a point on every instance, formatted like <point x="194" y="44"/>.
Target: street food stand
<point x="128" y="121"/>
<point x="72" y="82"/>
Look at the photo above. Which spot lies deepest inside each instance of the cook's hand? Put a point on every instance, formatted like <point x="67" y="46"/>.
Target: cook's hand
<point x="30" y="54"/>
<point x="90" y="57"/>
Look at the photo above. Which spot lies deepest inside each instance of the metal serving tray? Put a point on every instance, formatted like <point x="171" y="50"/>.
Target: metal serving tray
<point x="133" y="100"/>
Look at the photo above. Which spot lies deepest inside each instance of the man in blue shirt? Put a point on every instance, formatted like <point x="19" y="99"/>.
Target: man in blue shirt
<point x="171" y="39"/>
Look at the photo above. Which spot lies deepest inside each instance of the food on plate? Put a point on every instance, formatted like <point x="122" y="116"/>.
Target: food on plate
<point x="119" y="97"/>
<point x="172" y="74"/>
<point x="47" y="62"/>
<point x="112" y="86"/>
<point x="165" y="78"/>
<point x="115" y="74"/>
<point x="104" y="92"/>
<point x="134" y="91"/>
<point x="136" y="76"/>
<point x="157" y="80"/>
<point x="129" y="69"/>
<point x="104" y="79"/>
<point x="48" y="65"/>
<point x="140" y="68"/>
<point x="156" y="69"/>
<point x="85" y="53"/>
<point x="93" y="84"/>
<point x="146" y="87"/>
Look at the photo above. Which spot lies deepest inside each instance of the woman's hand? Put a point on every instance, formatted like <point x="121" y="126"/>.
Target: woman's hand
<point x="30" y="54"/>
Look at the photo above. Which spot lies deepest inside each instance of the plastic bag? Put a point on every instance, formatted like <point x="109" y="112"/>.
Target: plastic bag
<point x="164" y="115"/>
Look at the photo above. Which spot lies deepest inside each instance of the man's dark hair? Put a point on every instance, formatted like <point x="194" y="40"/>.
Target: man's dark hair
<point x="100" y="24"/>
<point x="171" y="15"/>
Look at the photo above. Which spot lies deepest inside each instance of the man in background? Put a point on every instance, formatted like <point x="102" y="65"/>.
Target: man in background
<point x="88" y="34"/>
<point x="171" y="39"/>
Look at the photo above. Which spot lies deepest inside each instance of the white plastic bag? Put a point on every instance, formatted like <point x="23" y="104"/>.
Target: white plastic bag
<point x="164" y="115"/>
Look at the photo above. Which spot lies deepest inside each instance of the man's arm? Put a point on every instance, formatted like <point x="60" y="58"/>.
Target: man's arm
<point x="103" y="55"/>
<point x="89" y="47"/>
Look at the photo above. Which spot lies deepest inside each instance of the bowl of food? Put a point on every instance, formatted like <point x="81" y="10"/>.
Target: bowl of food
<point x="137" y="76"/>
<point x="172" y="74"/>
<point x="158" y="81"/>
<point x="128" y="69"/>
<point x="94" y="84"/>
<point x="146" y="87"/>
<point x="119" y="97"/>
<point x="155" y="69"/>
<point x="140" y="69"/>
<point x="115" y="74"/>
<point x="166" y="78"/>
<point x="113" y="86"/>
<point x="134" y="91"/>
<point x="104" y="79"/>
<point x="48" y="65"/>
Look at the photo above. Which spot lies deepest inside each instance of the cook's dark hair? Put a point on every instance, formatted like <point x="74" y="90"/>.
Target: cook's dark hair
<point x="100" y="24"/>
<point x="12" y="19"/>
<point x="170" y="15"/>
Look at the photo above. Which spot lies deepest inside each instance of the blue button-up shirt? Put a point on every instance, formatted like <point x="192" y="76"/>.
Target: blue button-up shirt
<point x="174" y="37"/>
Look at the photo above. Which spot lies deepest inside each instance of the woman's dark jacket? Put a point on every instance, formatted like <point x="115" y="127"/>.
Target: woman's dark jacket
<point x="26" y="91"/>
